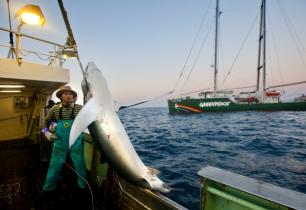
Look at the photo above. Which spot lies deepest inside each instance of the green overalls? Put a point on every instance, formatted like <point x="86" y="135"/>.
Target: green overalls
<point x="59" y="153"/>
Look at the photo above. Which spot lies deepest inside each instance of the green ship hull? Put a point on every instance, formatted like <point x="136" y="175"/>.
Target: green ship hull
<point x="190" y="105"/>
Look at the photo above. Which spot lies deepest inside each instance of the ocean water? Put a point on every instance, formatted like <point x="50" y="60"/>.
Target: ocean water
<point x="268" y="146"/>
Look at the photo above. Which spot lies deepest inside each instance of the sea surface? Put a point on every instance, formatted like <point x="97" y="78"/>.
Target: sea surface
<point x="268" y="146"/>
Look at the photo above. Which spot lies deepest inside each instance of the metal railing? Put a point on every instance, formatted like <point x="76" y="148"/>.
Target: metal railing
<point x="222" y="189"/>
<point x="53" y="57"/>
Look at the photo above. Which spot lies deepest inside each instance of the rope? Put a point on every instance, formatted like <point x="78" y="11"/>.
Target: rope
<point x="145" y="101"/>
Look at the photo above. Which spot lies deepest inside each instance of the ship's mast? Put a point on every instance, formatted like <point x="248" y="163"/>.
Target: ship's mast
<point x="216" y="48"/>
<point x="261" y="63"/>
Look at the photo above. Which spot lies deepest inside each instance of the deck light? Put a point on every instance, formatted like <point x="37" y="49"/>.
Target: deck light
<point x="12" y="86"/>
<point x="68" y="53"/>
<point x="10" y="91"/>
<point x="29" y="14"/>
<point x="69" y="50"/>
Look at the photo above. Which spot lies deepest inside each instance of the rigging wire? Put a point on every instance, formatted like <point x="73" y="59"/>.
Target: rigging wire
<point x="284" y="11"/>
<point x="183" y="68"/>
<point x="240" y="49"/>
<point x="192" y="46"/>
<point x="275" y="50"/>
<point x="197" y="57"/>
<point x="293" y="33"/>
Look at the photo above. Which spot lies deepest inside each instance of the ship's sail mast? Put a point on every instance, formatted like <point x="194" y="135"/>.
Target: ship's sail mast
<point x="216" y="47"/>
<point x="261" y="63"/>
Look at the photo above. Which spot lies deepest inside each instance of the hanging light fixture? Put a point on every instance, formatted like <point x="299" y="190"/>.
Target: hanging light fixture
<point x="31" y="14"/>
<point x="28" y="14"/>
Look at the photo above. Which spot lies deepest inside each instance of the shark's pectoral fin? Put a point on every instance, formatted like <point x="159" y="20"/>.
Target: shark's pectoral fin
<point x="87" y="115"/>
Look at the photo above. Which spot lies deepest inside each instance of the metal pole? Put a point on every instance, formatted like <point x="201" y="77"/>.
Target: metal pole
<point x="73" y="42"/>
<point x="32" y="37"/>
<point x="70" y="35"/>
<point x="12" y="52"/>
<point x="259" y="66"/>
<point x="264" y="48"/>
<point x="19" y="57"/>
<point x="216" y="48"/>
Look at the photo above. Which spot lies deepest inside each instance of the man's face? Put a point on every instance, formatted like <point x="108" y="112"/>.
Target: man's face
<point x="67" y="97"/>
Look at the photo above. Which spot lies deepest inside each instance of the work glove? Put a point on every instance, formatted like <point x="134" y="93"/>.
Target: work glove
<point x="49" y="136"/>
<point x="52" y="127"/>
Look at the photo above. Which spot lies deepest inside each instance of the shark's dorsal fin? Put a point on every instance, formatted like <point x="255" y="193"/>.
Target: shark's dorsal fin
<point x="87" y="115"/>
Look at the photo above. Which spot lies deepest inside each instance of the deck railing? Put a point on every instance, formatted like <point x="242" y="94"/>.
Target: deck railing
<point x="55" y="57"/>
<point x="222" y="189"/>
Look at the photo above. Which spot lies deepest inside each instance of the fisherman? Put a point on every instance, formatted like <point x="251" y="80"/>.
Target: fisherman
<point x="59" y="121"/>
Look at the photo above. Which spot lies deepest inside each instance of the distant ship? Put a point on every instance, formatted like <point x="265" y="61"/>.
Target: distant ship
<point x="261" y="99"/>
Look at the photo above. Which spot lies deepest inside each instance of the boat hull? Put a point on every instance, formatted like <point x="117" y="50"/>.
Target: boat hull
<point x="226" y="105"/>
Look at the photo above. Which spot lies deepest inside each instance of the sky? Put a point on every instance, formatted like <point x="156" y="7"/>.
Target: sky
<point x="141" y="46"/>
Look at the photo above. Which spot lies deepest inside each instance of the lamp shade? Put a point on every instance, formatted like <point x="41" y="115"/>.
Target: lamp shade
<point x="31" y="14"/>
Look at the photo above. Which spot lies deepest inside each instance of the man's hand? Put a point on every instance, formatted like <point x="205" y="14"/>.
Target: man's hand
<point x="50" y="136"/>
<point x="52" y="127"/>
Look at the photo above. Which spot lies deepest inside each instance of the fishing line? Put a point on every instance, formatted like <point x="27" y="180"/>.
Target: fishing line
<point x="87" y="183"/>
<point x="72" y="169"/>
<point x="148" y="100"/>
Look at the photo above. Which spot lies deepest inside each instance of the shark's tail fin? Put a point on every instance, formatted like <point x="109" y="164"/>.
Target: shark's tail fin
<point x="155" y="182"/>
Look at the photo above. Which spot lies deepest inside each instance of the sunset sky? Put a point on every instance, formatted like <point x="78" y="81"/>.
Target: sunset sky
<point x="141" y="46"/>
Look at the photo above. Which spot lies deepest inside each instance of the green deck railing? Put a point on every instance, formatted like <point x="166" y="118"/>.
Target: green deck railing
<point x="222" y="189"/>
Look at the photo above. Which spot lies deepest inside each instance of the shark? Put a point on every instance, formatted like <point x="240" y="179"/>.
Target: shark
<point x="100" y="117"/>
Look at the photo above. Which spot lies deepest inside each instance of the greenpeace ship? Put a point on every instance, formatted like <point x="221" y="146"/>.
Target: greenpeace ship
<point x="262" y="99"/>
